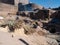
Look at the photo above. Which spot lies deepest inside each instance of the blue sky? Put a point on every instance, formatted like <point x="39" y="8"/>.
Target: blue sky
<point x="47" y="3"/>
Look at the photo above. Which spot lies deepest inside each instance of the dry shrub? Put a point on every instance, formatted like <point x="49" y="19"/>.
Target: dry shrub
<point x="18" y="24"/>
<point x="15" y="25"/>
<point x="28" y="30"/>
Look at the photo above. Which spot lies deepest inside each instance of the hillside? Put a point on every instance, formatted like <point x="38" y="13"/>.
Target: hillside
<point x="39" y="26"/>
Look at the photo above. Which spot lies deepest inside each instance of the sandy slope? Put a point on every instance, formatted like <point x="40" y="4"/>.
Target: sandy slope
<point x="7" y="38"/>
<point x="34" y="39"/>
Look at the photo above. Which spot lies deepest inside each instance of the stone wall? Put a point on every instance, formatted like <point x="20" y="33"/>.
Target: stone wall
<point x="15" y="2"/>
<point x="6" y="9"/>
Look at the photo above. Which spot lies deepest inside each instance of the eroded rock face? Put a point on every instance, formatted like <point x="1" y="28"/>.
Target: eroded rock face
<point x="54" y="25"/>
<point x="39" y="14"/>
